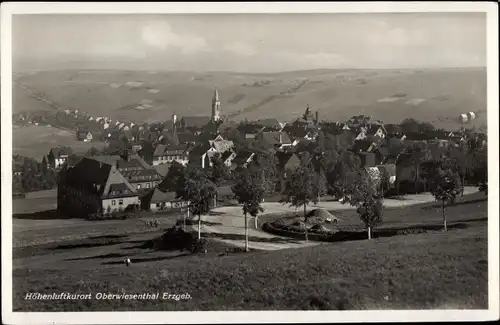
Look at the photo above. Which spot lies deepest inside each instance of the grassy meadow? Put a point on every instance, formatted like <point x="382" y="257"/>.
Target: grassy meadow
<point x="414" y="271"/>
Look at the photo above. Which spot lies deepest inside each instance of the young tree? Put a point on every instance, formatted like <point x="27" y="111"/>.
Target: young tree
<point x="480" y="169"/>
<point x="417" y="152"/>
<point x="171" y="180"/>
<point x="267" y="162"/>
<point x="461" y="155"/>
<point x="218" y="173"/>
<point x="249" y="191"/>
<point x="364" y="194"/>
<point x="301" y="189"/>
<point x="445" y="186"/>
<point x="197" y="189"/>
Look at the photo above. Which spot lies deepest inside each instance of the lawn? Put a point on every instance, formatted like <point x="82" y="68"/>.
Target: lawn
<point x="432" y="270"/>
<point x="469" y="208"/>
<point x="435" y="270"/>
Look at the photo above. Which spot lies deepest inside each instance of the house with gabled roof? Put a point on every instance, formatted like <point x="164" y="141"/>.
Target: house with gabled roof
<point x="279" y="139"/>
<point x="135" y="170"/>
<point x="217" y="146"/>
<point x="270" y="124"/>
<point x="243" y="159"/>
<point x="84" y="135"/>
<point x="58" y="156"/>
<point x="168" y="138"/>
<point x="287" y="161"/>
<point x="169" y="153"/>
<point x="93" y="187"/>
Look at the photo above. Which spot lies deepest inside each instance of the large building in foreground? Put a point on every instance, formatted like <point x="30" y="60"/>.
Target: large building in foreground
<point x="104" y="184"/>
<point x="93" y="187"/>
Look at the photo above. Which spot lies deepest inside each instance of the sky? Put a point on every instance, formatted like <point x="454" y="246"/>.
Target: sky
<point x="249" y="42"/>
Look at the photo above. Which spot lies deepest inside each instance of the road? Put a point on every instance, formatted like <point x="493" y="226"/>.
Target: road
<point x="229" y="220"/>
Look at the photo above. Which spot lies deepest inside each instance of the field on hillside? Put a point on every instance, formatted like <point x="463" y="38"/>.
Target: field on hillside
<point x="431" y="270"/>
<point x="36" y="141"/>
<point x="438" y="95"/>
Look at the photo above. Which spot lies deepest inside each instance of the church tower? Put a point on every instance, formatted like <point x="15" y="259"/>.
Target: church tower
<point x="216" y="109"/>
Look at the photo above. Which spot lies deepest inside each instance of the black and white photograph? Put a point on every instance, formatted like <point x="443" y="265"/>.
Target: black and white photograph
<point x="217" y="159"/>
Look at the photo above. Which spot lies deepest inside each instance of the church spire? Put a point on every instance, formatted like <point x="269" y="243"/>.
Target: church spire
<point x="216" y="109"/>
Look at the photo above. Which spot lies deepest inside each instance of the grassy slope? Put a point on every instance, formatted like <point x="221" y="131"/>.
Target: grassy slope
<point x="438" y="270"/>
<point x="36" y="141"/>
<point x="433" y="270"/>
<point x="447" y="92"/>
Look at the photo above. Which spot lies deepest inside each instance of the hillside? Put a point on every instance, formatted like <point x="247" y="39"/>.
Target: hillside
<point x="437" y="95"/>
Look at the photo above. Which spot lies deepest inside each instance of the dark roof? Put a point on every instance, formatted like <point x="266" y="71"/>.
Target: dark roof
<point x="195" y="121"/>
<point x="134" y="161"/>
<point x="162" y="169"/>
<point x="285" y="157"/>
<point x="61" y="151"/>
<point x="158" y="196"/>
<point x="270" y="123"/>
<point x="82" y="133"/>
<point x="101" y="178"/>
<point x="224" y="190"/>
<point x="170" y="138"/>
<point x="274" y="138"/>
<point x="175" y="150"/>
<point x="226" y="154"/>
<point x="118" y="187"/>
<point x="361" y="145"/>
<point x="242" y="157"/>
<point x="296" y="131"/>
<point x="373" y="128"/>
<point x="185" y="137"/>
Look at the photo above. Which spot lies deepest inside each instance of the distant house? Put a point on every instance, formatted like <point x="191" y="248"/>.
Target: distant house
<point x="279" y="140"/>
<point x="168" y="153"/>
<point x="393" y="130"/>
<point x="17" y="165"/>
<point x="162" y="169"/>
<point x="206" y="151"/>
<point x="270" y="124"/>
<point x="57" y="157"/>
<point x="168" y="138"/>
<point x="93" y="187"/>
<point x="84" y="135"/>
<point x="134" y="169"/>
<point x="287" y="161"/>
<point x="242" y="159"/>
<point x="186" y="137"/>
<point x="228" y="157"/>
<point x="111" y="134"/>
<point x="157" y="200"/>
<point x="372" y="131"/>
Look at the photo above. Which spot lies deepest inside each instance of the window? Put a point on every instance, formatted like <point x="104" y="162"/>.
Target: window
<point x="120" y="202"/>
<point x="113" y="202"/>
<point x="138" y="186"/>
<point x="147" y="185"/>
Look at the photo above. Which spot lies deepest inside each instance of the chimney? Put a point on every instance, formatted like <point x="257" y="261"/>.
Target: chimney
<point x="317" y="117"/>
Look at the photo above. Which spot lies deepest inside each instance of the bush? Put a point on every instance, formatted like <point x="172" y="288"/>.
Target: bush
<point x="199" y="246"/>
<point x="174" y="239"/>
